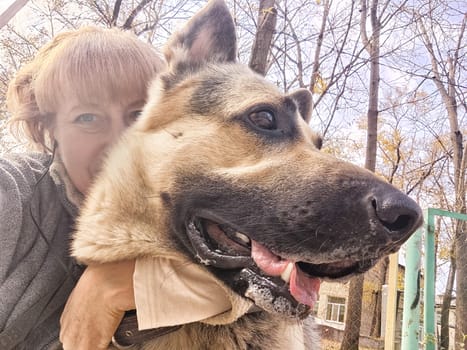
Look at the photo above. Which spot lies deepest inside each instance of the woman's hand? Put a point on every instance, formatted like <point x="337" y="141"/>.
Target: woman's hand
<point x="96" y="306"/>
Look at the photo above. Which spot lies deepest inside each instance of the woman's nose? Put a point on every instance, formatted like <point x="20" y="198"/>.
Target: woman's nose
<point x="117" y="128"/>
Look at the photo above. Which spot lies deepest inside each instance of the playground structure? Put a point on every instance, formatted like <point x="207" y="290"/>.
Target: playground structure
<point x="412" y="288"/>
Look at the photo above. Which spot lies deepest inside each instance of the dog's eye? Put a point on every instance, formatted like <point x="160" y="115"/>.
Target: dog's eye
<point x="264" y="119"/>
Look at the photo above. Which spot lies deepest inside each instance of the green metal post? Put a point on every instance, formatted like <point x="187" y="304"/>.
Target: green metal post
<point x="411" y="313"/>
<point x="429" y="285"/>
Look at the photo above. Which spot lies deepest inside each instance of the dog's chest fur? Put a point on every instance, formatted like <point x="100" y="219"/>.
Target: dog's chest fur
<point x="252" y="332"/>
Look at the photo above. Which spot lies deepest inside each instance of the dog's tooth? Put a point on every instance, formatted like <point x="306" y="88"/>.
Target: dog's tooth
<point x="285" y="275"/>
<point x="242" y="237"/>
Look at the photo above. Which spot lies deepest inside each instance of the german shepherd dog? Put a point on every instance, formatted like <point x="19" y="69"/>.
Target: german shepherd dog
<point x="223" y="170"/>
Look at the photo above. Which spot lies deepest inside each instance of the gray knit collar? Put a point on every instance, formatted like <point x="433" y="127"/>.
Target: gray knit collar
<point x="69" y="195"/>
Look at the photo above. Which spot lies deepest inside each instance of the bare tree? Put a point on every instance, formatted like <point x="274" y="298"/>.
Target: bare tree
<point x="372" y="45"/>
<point x="444" y="70"/>
<point x="267" y="17"/>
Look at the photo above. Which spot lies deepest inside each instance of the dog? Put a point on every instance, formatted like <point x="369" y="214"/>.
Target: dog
<point x="222" y="170"/>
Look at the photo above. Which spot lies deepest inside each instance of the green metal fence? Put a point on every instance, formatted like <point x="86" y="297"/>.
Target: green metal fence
<point x="411" y="313"/>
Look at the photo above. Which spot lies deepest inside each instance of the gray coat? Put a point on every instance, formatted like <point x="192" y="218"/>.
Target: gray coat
<point x="36" y="274"/>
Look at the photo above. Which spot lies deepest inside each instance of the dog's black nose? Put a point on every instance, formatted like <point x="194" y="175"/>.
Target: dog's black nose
<point x="398" y="213"/>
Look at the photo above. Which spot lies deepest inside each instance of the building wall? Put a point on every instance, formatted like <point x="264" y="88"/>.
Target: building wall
<point x="328" y="289"/>
<point x="371" y="306"/>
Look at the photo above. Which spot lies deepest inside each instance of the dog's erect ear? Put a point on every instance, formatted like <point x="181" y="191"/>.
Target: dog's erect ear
<point x="304" y="101"/>
<point x="209" y="36"/>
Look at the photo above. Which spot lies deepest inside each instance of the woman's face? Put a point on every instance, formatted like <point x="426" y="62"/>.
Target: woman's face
<point x="84" y="131"/>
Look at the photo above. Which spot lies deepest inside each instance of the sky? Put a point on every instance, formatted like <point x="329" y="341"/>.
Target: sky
<point x="4" y="4"/>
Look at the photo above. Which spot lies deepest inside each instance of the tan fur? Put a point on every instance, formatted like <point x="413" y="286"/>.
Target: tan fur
<point x="196" y="146"/>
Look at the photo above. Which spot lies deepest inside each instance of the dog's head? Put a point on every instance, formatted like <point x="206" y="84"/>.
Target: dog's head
<point x="229" y="172"/>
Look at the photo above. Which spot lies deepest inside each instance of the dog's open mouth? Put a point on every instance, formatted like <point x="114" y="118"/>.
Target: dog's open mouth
<point x="223" y="247"/>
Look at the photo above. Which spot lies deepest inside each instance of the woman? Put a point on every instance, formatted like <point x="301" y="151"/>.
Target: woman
<point x="71" y="102"/>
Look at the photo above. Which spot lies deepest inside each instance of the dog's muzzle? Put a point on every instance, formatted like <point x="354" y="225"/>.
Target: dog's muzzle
<point x="274" y="283"/>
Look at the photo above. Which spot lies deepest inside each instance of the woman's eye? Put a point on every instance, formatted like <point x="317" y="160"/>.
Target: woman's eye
<point x="135" y="115"/>
<point x="86" y="118"/>
<point x="263" y="119"/>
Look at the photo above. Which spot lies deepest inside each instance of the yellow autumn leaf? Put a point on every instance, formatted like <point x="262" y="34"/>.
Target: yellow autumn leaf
<point x="320" y="85"/>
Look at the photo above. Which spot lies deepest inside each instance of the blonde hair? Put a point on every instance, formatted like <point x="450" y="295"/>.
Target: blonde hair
<point x="93" y="63"/>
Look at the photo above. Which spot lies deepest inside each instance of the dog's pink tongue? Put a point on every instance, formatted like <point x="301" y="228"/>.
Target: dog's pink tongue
<point x="267" y="261"/>
<point x="303" y="288"/>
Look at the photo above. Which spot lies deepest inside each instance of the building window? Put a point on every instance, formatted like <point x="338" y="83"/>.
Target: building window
<point x="335" y="310"/>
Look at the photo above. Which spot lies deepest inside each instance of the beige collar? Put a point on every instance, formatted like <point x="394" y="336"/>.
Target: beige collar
<point x="161" y="283"/>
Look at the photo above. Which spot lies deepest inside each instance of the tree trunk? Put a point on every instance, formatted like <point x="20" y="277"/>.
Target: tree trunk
<point x="461" y="287"/>
<point x="382" y="268"/>
<point x="459" y="153"/>
<point x="373" y="49"/>
<point x="267" y="18"/>
<point x="446" y="306"/>
<point x="354" y="310"/>
<point x="319" y="44"/>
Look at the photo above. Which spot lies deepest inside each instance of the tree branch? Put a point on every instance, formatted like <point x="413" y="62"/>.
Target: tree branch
<point x="115" y="13"/>
<point x="129" y="21"/>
